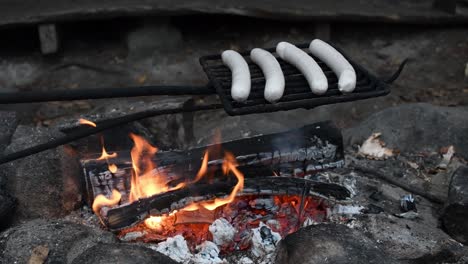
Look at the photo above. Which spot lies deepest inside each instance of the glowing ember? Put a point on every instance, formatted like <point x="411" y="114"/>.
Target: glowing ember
<point x="200" y="221"/>
<point x="83" y="121"/>
<point x="280" y="213"/>
<point x="154" y="222"/>
<point x="102" y="201"/>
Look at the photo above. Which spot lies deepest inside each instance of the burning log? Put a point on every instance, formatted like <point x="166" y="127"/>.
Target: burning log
<point x="128" y="215"/>
<point x="125" y="190"/>
<point x="303" y="151"/>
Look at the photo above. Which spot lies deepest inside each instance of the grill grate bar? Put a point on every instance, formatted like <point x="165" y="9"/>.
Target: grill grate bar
<point x="297" y="92"/>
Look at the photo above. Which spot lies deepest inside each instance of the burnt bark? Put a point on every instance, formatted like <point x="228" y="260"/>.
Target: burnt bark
<point x="127" y="215"/>
<point x="301" y="151"/>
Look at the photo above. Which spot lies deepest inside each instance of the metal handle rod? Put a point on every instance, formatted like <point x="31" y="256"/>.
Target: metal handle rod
<point x="81" y="133"/>
<point x="100" y="93"/>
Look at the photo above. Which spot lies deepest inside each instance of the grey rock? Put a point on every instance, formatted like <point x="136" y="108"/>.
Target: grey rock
<point x="456" y="211"/>
<point x="46" y="184"/>
<point x="416" y="127"/>
<point x="154" y="36"/>
<point x="8" y="124"/>
<point x="369" y="10"/>
<point x="64" y="240"/>
<point x="426" y="180"/>
<point x="418" y="240"/>
<point x="49" y="38"/>
<point x="444" y="256"/>
<point x="7" y="209"/>
<point x="407" y="239"/>
<point x="121" y="253"/>
<point x="329" y="243"/>
<point x="18" y="72"/>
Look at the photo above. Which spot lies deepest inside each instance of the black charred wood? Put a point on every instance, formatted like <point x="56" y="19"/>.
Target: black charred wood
<point x="308" y="149"/>
<point x="159" y="204"/>
<point x="131" y="214"/>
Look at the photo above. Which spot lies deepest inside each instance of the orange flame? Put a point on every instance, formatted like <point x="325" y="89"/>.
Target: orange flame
<point x="203" y="168"/>
<point x="154" y="222"/>
<point x="83" y="121"/>
<point x="229" y="165"/>
<point x="112" y="168"/>
<point x="146" y="180"/>
<point x="101" y="201"/>
<point x="105" y="155"/>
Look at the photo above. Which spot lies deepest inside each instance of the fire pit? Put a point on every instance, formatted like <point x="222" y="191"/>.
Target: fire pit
<point x="266" y="184"/>
<point x="261" y="199"/>
<point x="297" y="196"/>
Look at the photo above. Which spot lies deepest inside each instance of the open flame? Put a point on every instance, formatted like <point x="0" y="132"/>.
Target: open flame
<point x="83" y="121"/>
<point x="101" y="201"/>
<point x="229" y="165"/>
<point x="154" y="222"/>
<point x="106" y="156"/>
<point x="147" y="180"/>
<point x="283" y="214"/>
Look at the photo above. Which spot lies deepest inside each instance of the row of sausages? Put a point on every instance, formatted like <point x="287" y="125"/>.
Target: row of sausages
<point x="275" y="83"/>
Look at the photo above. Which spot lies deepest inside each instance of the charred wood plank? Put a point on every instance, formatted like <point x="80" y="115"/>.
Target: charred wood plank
<point x="131" y="214"/>
<point x="127" y="215"/>
<point x="306" y="150"/>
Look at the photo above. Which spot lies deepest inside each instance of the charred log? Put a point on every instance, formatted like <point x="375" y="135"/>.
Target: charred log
<point x="293" y="153"/>
<point x="131" y="214"/>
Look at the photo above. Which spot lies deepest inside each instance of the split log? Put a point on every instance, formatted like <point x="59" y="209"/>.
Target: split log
<point x="306" y="150"/>
<point x="131" y="214"/>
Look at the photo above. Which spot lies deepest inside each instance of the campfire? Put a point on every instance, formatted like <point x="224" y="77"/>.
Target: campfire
<point x="247" y="199"/>
<point x="234" y="132"/>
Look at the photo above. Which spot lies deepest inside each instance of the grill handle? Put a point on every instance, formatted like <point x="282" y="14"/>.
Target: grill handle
<point x="395" y="76"/>
<point x="101" y="93"/>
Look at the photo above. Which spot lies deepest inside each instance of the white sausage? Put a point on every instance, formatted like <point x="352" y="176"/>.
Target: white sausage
<point x="274" y="86"/>
<point x="240" y="87"/>
<point x="306" y="64"/>
<point x="337" y="63"/>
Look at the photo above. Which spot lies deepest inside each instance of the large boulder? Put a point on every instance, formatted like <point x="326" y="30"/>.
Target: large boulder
<point x="46" y="184"/>
<point x="329" y="243"/>
<point x="7" y="209"/>
<point x="410" y="239"/>
<point x="122" y="254"/>
<point x="454" y="218"/>
<point x="62" y="241"/>
<point x="8" y="124"/>
<point x="415" y="127"/>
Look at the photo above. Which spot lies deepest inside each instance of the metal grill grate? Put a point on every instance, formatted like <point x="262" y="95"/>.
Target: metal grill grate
<point x="297" y="93"/>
